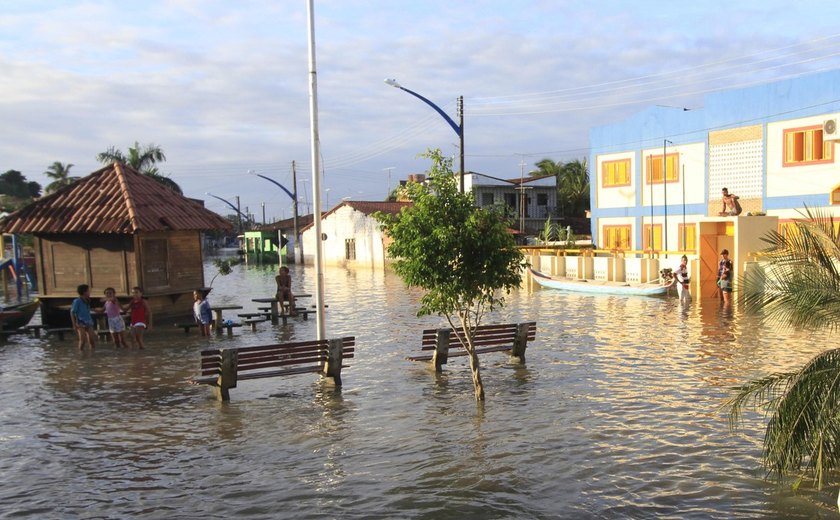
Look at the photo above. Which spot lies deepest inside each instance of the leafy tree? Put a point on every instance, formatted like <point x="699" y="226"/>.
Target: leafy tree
<point x="15" y="191"/>
<point x="60" y="173"/>
<point x="223" y="267"/>
<point x="460" y="254"/>
<point x="800" y="285"/>
<point x="144" y="159"/>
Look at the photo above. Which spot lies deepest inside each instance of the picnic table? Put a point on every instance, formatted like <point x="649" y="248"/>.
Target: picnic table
<point x="275" y="305"/>
<point x="218" y="310"/>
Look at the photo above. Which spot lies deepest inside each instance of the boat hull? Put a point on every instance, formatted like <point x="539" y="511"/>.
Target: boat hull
<point x="597" y="286"/>
<point x="27" y="310"/>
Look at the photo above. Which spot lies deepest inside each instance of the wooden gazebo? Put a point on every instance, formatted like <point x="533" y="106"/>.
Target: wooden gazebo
<point x="116" y="228"/>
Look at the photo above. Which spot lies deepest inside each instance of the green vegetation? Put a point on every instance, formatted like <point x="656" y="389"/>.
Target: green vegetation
<point x="800" y="286"/>
<point x="223" y="267"/>
<point x="572" y="185"/>
<point x="461" y="255"/>
<point x="16" y="192"/>
<point x="143" y="159"/>
<point x="60" y="173"/>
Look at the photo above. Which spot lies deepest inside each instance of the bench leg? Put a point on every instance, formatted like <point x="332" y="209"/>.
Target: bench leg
<point x="441" y="355"/>
<point x="253" y="327"/>
<point x="227" y="378"/>
<point x="332" y="368"/>
<point x="520" y="343"/>
<point x="221" y="394"/>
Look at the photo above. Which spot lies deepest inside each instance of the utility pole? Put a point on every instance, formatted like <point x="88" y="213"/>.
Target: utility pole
<point x="263" y="209"/>
<point x="296" y="223"/>
<point x="461" y="136"/>
<point x="238" y="214"/>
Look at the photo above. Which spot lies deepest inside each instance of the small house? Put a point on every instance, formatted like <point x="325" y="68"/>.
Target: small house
<point x="350" y="234"/>
<point x="116" y="228"/>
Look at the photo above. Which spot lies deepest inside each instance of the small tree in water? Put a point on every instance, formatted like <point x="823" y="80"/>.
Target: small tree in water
<point x="462" y="255"/>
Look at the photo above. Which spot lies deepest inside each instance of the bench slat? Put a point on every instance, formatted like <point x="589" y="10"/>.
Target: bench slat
<point x="278" y="373"/>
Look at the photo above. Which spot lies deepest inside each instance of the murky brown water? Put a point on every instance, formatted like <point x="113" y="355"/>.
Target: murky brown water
<point x="615" y="416"/>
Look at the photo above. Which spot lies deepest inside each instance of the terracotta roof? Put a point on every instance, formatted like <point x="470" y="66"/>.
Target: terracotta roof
<point x="116" y="199"/>
<point x="366" y="207"/>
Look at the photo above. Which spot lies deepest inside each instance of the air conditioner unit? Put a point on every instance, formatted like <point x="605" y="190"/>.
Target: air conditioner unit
<point x="831" y="130"/>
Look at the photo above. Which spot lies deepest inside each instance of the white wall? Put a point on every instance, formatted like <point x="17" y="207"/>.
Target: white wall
<point x="342" y="224"/>
<point x="798" y="180"/>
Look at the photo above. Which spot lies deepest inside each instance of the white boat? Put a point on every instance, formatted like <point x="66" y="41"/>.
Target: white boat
<point x="598" y="286"/>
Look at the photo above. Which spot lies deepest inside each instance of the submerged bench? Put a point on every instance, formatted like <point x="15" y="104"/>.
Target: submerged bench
<point x="222" y="368"/>
<point x="509" y="337"/>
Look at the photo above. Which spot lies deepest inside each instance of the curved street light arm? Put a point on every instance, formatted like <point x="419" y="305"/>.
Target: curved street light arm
<point x="443" y="114"/>
<point x="234" y="208"/>
<point x="269" y="179"/>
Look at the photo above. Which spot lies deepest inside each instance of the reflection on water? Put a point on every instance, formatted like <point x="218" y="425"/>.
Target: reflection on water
<point x="614" y="416"/>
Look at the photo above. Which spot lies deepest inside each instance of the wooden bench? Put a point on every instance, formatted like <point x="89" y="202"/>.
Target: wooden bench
<point x="186" y="326"/>
<point x="253" y="322"/>
<point x="509" y="337"/>
<point x="224" y="367"/>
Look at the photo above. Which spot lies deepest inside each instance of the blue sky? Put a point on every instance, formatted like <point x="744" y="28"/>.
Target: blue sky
<point x="222" y="86"/>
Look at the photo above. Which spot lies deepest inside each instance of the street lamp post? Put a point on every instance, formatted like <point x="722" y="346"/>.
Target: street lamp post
<point x="232" y="206"/>
<point x="293" y="195"/>
<point x="459" y="128"/>
<point x="665" y="190"/>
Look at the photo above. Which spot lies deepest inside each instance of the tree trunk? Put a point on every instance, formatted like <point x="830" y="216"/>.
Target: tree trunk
<point x="476" y="375"/>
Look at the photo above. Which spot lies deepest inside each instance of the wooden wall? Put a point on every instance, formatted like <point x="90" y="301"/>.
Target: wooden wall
<point x="168" y="266"/>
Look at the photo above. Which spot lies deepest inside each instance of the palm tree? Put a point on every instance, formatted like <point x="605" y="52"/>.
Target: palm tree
<point x="573" y="186"/>
<point x="800" y="284"/>
<point x="60" y="173"/>
<point x="143" y="159"/>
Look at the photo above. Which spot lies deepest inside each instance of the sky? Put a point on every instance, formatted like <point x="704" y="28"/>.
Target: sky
<point x="223" y="87"/>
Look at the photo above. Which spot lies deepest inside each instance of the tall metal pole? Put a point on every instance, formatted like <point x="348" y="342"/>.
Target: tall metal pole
<point x="665" y="191"/>
<point x="316" y="180"/>
<point x="296" y="223"/>
<point x="684" y="245"/>
<point x="650" y="181"/>
<point x="461" y="136"/>
<point x="238" y="214"/>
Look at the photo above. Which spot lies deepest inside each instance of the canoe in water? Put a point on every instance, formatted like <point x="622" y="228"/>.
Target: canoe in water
<point x="598" y="286"/>
<point x="20" y="314"/>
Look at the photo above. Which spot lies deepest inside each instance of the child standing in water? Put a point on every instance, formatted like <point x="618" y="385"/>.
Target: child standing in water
<point x="81" y="318"/>
<point x="682" y="280"/>
<point x="116" y="323"/>
<point x="202" y="312"/>
<point x="141" y="316"/>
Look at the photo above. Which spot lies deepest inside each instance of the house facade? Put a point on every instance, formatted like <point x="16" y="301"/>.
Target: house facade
<point x="529" y="201"/>
<point x="658" y="174"/>
<point x="351" y="235"/>
<point x="116" y="228"/>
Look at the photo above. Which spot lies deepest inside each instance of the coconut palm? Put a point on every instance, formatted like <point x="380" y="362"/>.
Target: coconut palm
<point x="573" y="187"/>
<point x="60" y="173"/>
<point x="143" y="159"/>
<point x="800" y="285"/>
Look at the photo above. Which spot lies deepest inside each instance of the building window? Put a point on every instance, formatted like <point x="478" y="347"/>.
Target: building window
<point x="835" y="196"/>
<point x="615" y="237"/>
<point x="657" y="237"/>
<point x="615" y="173"/>
<point x="653" y="169"/>
<point x="805" y="146"/>
<point x="542" y="199"/>
<point x="687" y="238"/>
<point x="487" y="199"/>
<point x="350" y="249"/>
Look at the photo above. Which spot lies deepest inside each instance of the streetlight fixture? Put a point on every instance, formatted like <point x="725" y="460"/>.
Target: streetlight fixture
<point x="298" y="246"/>
<point x="458" y="127"/>
<point x="234" y="208"/>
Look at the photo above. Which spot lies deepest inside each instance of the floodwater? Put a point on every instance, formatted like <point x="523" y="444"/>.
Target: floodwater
<point x="615" y="415"/>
